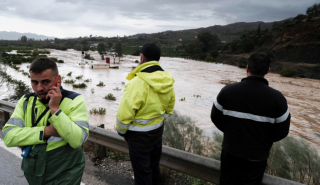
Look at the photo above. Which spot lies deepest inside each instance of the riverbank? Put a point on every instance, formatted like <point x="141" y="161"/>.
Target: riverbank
<point x="196" y="85"/>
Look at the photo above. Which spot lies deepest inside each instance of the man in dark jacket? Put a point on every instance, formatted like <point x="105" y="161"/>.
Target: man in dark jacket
<point x="252" y="116"/>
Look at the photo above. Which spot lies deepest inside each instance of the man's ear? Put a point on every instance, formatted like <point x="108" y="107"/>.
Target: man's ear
<point x="268" y="71"/>
<point x="142" y="59"/>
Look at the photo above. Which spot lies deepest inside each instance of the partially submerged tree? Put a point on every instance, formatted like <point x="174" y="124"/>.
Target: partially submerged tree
<point x="101" y="50"/>
<point x="118" y="50"/>
<point x="23" y="38"/>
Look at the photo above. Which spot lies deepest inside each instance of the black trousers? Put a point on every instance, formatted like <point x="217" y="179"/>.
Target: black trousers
<point x="237" y="171"/>
<point x="145" y="163"/>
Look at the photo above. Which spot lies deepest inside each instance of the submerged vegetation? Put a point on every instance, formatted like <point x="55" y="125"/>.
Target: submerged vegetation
<point x="101" y="84"/>
<point x="80" y="85"/>
<point x="79" y="77"/>
<point x="69" y="81"/>
<point x="100" y="111"/>
<point x="110" y="97"/>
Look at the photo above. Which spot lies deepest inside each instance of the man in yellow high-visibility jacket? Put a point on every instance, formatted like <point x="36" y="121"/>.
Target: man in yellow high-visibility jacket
<point x="54" y="123"/>
<point x="148" y="99"/>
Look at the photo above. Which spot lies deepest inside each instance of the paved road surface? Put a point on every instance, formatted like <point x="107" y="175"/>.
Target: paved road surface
<point x="10" y="171"/>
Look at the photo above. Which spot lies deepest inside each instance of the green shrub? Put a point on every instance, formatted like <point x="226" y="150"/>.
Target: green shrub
<point x="21" y="88"/>
<point x="209" y="59"/>
<point x="88" y="80"/>
<point x="25" y="73"/>
<point x="15" y="67"/>
<point x="69" y="74"/>
<point x="100" y="111"/>
<point x="16" y="60"/>
<point x="60" y="61"/>
<point x="100" y="84"/>
<point x="181" y="132"/>
<point x="42" y="56"/>
<point x="88" y="57"/>
<point x="54" y="59"/>
<point x="110" y="97"/>
<point x="24" y="51"/>
<point x="80" y="85"/>
<point x="44" y="51"/>
<point x="288" y="71"/>
<point x="35" y="53"/>
<point x="243" y="62"/>
<point x="69" y="81"/>
<point x="79" y="77"/>
<point x="290" y="158"/>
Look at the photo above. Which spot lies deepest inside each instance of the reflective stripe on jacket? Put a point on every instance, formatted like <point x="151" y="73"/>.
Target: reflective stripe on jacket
<point x="148" y="99"/>
<point x="71" y="122"/>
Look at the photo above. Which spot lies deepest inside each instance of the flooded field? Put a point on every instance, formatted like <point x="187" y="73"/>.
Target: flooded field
<point x="198" y="83"/>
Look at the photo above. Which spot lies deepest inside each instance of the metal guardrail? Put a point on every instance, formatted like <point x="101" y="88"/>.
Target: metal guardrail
<point x="198" y="166"/>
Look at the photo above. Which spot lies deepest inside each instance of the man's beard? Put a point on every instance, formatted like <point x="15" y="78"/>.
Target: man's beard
<point x="42" y="95"/>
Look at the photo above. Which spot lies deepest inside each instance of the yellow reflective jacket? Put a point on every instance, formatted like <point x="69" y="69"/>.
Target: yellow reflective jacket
<point x="148" y="99"/>
<point x="71" y="122"/>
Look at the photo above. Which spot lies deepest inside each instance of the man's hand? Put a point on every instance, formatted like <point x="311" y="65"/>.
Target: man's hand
<point x="55" y="98"/>
<point x="50" y="131"/>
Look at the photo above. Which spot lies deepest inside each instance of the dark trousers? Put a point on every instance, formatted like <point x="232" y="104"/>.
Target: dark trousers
<point x="237" y="171"/>
<point x="145" y="163"/>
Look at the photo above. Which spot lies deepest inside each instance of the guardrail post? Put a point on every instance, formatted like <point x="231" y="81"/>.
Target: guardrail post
<point x="6" y="116"/>
<point x="102" y="149"/>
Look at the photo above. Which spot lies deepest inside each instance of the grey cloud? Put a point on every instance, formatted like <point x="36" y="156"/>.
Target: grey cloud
<point x="163" y="14"/>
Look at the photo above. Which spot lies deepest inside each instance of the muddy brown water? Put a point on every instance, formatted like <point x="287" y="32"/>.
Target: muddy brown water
<point x="196" y="82"/>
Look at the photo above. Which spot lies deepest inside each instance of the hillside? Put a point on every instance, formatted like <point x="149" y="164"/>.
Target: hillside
<point x="294" y="47"/>
<point x="4" y="35"/>
<point x="225" y="33"/>
<point x="298" y="42"/>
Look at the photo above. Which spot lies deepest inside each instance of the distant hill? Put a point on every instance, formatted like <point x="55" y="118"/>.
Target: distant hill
<point x="225" y="33"/>
<point x="4" y="35"/>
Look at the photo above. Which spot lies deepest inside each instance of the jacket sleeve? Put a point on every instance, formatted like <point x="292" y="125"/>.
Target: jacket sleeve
<point x="171" y="104"/>
<point x="133" y="99"/>
<point x="217" y="112"/>
<point x="73" y="126"/>
<point x="281" y="126"/>
<point x="15" y="133"/>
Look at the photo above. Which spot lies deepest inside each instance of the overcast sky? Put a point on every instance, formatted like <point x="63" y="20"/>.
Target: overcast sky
<point x="108" y="18"/>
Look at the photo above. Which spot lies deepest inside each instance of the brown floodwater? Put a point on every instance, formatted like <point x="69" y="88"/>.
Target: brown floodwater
<point x="196" y="82"/>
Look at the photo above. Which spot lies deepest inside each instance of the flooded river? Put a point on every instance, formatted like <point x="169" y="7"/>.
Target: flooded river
<point x="196" y="82"/>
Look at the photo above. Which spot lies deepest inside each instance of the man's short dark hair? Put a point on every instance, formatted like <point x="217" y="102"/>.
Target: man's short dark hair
<point x="259" y="63"/>
<point x="41" y="64"/>
<point x="151" y="52"/>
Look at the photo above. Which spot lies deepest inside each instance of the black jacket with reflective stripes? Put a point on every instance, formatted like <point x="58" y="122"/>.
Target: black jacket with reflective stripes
<point x="252" y="116"/>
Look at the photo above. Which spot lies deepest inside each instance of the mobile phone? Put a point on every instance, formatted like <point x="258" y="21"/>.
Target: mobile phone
<point x="57" y="81"/>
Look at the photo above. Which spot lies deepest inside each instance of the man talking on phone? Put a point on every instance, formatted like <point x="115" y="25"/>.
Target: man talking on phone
<point x="50" y="125"/>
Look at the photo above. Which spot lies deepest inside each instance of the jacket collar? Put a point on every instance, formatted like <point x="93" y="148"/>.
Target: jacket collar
<point x="257" y="79"/>
<point x="136" y="70"/>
